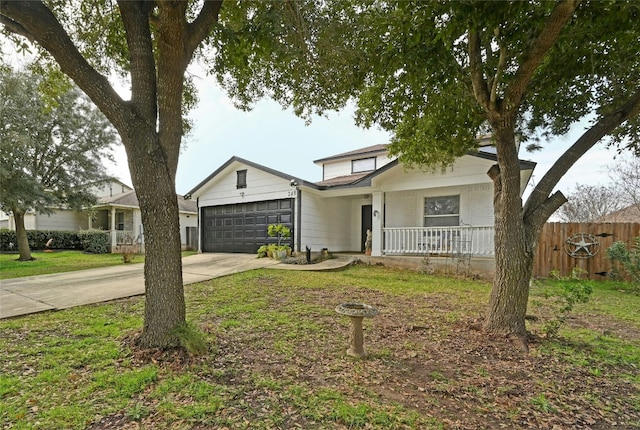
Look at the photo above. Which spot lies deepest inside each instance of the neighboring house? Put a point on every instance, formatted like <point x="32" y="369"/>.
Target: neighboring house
<point x="409" y="211"/>
<point x="628" y="214"/>
<point x="117" y="211"/>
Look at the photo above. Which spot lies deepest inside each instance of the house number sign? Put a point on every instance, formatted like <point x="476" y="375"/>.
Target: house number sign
<point x="582" y="245"/>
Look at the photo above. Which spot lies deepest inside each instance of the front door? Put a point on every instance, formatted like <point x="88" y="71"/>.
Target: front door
<point x="367" y="224"/>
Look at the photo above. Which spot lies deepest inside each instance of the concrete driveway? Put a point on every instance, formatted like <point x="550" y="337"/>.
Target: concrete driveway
<point x="21" y="296"/>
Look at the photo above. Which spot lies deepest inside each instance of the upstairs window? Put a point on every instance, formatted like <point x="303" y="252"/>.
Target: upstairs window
<point x="241" y="179"/>
<point x="442" y="211"/>
<point x="363" y="165"/>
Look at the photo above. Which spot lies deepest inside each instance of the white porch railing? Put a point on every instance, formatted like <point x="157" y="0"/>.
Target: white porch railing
<point x="123" y="237"/>
<point x="475" y="240"/>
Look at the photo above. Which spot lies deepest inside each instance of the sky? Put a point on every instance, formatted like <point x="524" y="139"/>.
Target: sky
<point x="278" y="139"/>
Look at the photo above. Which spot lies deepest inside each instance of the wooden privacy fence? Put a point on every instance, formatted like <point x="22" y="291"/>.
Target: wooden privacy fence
<point x="564" y="246"/>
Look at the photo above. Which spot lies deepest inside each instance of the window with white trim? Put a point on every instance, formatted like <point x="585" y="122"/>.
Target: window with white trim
<point x="442" y="211"/>
<point x="363" y="165"/>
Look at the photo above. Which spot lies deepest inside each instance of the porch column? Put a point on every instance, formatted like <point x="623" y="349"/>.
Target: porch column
<point x="113" y="228"/>
<point x="90" y="222"/>
<point x="377" y="223"/>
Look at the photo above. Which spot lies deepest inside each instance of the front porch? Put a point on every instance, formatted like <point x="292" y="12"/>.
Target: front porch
<point x="123" y="224"/>
<point x="474" y="241"/>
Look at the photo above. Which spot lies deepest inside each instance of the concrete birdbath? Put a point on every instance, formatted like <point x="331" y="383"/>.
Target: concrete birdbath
<point x="356" y="312"/>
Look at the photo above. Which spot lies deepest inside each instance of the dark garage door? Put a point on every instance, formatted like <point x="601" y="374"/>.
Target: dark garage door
<point x="243" y="227"/>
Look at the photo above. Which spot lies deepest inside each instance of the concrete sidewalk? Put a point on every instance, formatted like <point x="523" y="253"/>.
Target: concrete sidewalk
<point x="22" y="296"/>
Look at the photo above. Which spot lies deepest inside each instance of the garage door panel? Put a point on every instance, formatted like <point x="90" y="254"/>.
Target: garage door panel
<point x="285" y="204"/>
<point x="285" y="219"/>
<point x="243" y="227"/>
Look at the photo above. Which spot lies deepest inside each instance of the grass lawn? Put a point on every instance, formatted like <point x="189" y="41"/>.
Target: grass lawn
<point x="276" y="360"/>
<point x="59" y="261"/>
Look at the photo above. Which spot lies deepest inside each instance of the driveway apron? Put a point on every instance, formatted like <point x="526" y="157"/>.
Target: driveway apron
<point x="21" y="296"/>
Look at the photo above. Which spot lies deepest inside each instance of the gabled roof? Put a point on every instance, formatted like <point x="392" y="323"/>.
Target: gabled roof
<point x="122" y="199"/>
<point x="363" y="180"/>
<point x="367" y="151"/>
<point x="235" y="159"/>
<point x="356" y="180"/>
<point x="129" y="199"/>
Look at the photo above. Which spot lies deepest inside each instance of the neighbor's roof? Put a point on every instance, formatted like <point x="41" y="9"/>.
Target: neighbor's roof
<point x="129" y="199"/>
<point x="628" y="214"/>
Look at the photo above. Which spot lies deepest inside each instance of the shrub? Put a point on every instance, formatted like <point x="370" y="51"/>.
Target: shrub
<point x="128" y="251"/>
<point x="280" y="231"/>
<point x="8" y="240"/>
<point x="554" y="306"/>
<point x="263" y="251"/>
<point x="38" y="238"/>
<point x="95" y="241"/>
<point x="626" y="259"/>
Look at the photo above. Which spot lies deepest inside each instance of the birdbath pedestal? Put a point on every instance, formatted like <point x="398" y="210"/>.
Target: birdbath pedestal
<point x="356" y="312"/>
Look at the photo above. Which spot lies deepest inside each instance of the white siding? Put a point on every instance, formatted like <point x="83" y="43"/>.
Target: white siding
<point x="334" y="169"/>
<point x="477" y="206"/>
<point x="403" y="209"/>
<point x="467" y="170"/>
<point x="62" y="219"/>
<point x="260" y="186"/>
<point x="110" y="189"/>
<point x="325" y="223"/>
<point x="406" y="208"/>
<point x="30" y="222"/>
<point x="186" y="220"/>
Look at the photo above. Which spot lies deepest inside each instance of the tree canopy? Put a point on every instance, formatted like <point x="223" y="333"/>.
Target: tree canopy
<point x="53" y="144"/>
<point x="149" y="45"/>
<point x="439" y="74"/>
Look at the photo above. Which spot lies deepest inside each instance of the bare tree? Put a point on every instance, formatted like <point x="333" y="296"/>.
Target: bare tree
<point x="625" y="175"/>
<point x="588" y="202"/>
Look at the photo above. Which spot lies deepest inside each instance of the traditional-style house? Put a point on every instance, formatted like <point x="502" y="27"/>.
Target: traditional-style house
<point x="408" y="211"/>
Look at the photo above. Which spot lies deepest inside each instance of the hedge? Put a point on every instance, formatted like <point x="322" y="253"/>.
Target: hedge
<point x="94" y="241"/>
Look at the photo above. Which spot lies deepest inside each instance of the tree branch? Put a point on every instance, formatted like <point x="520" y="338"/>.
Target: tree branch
<point x="606" y="124"/>
<point x="502" y="61"/>
<point x="135" y="18"/>
<point x="545" y="40"/>
<point x="542" y="213"/>
<point x="43" y="27"/>
<point x="201" y="26"/>
<point x="13" y="26"/>
<point x="480" y="90"/>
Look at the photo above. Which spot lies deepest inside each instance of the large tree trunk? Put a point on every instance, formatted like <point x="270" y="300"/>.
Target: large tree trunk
<point x="513" y="250"/>
<point x="164" y="292"/>
<point x="21" y="235"/>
